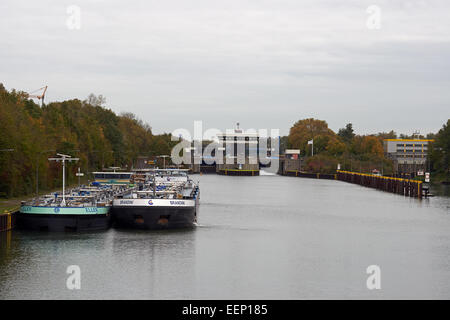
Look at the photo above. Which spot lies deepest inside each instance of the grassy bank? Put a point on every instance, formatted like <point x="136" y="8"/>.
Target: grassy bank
<point x="7" y="204"/>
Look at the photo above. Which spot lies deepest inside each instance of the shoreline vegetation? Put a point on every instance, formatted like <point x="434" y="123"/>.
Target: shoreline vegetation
<point x="100" y="138"/>
<point x="8" y="204"/>
<point x="83" y="129"/>
<point x="360" y="153"/>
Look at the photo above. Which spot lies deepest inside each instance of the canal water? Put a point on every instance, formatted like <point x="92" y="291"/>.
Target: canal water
<point x="266" y="237"/>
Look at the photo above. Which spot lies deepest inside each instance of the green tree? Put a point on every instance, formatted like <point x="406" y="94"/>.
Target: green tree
<point x="440" y="152"/>
<point x="284" y="144"/>
<point x="387" y="135"/>
<point x="367" y="147"/>
<point x="346" y="133"/>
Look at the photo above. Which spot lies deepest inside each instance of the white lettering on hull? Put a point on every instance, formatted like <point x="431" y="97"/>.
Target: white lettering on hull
<point x="154" y="202"/>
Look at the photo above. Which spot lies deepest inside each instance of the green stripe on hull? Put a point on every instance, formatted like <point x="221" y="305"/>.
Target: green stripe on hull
<point x="64" y="210"/>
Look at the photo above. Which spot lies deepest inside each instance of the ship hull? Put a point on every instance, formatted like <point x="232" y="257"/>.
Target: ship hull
<point x="154" y="218"/>
<point x="66" y="219"/>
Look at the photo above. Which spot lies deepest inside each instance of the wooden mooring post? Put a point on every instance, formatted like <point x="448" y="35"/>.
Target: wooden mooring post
<point x="7" y="220"/>
<point x="405" y="187"/>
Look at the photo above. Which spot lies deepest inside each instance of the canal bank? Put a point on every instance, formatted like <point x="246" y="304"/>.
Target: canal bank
<point x="298" y="173"/>
<point x="404" y="187"/>
<point x="401" y="186"/>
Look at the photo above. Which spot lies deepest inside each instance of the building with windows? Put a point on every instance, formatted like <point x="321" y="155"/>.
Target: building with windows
<point x="240" y="154"/>
<point x="234" y="152"/>
<point x="408" y="155"/>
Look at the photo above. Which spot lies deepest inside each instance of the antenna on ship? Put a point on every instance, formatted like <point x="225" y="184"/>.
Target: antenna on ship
<point x="237" y="130"/>
<point x="154" y="185"/>
<point x="63" y="158"/>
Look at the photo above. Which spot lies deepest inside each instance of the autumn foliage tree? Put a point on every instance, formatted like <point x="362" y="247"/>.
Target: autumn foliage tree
<point x="305" y="130"/>
<point x="84" y="129"/>
<point x="331" y="148"/>
<point x="367" y="147"/>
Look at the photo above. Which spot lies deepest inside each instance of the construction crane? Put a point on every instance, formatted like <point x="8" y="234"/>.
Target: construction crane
<point x="38" y="96"/>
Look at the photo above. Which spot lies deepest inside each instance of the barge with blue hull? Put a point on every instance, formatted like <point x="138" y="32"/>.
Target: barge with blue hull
<point x="168" y="200"/>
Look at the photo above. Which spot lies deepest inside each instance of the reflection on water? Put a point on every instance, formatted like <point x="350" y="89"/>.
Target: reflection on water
<point x="258" y="237"/>
<point x="5" y="245"/>
<point x="440" y="189"/>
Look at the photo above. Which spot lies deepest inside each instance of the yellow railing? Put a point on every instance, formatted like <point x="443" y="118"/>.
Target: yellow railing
<point x="418" y="182"/>
<point x="380" y="177"/>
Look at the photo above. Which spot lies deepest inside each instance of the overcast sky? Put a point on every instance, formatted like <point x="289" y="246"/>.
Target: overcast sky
<point x="263" y="63"/>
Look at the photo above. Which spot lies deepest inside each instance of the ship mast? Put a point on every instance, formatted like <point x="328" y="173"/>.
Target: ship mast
<point x="63" y="158"/>
<point x="154" y="185"/>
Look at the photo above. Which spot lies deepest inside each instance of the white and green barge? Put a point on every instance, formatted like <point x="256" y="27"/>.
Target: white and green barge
<point x="56" y="218"/>
<point x="85" y="208"/>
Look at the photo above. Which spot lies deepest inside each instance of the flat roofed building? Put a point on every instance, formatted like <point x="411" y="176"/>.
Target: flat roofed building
<point x="409" y="155"/>
<point x="239" y="144"/>
<point x="240" y="154"/>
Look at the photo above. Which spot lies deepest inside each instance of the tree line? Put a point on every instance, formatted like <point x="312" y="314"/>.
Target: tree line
<point x="100" y="138"/>
<point x="359" y="152"/>
<point x="30" y="134"/>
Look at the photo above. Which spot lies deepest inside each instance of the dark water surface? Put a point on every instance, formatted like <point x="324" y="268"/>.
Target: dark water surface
<point x="258" y="237"/>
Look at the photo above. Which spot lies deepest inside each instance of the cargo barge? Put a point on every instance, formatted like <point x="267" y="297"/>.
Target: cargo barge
<point x="84" y="208"/>
<point x="169" y="199"/>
